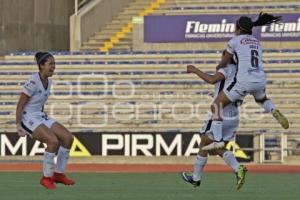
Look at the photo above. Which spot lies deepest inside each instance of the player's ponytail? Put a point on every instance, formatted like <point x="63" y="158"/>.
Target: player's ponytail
<point x="266" y="19"/>
<point x="245" y="23"/>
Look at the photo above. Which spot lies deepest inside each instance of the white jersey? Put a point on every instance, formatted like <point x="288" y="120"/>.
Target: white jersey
<point x="230" y="113"/>
<point x="38" y="94"/>
<point x="231" y="110"/>
<point x="248" y="56"/>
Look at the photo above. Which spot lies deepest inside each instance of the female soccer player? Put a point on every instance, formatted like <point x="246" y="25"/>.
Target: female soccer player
<point x="230" y="114"/>
<point x="33" y="121"/>
<point x="230" y="125"/>
<point x="250" y="78"/>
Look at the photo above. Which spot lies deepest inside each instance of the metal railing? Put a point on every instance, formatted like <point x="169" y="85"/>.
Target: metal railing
<point x="273" y="146"/>
<point x="79" y="4"/>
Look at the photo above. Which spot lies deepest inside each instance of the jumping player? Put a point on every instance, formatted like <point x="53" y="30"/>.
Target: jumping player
<point x="33" y="121"/>
<point x="250" y="78"/>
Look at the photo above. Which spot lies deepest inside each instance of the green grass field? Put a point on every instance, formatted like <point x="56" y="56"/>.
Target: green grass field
<point x="160" y="186"/>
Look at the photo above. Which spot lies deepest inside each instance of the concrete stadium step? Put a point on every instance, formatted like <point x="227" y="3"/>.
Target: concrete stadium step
<point x="104" y="38"/>
<point x="100" y="42"/>
<point x="110" y="27"/>
<point x="125" y="16"/>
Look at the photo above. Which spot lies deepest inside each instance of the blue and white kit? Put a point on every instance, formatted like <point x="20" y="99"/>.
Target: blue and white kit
<point x="33" y="114"/>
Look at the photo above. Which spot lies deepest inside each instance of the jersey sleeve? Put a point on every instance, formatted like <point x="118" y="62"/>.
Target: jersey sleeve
<point x="223" y="71"/>
<point x="231" y="45"/>
<point x="30" y="87"/>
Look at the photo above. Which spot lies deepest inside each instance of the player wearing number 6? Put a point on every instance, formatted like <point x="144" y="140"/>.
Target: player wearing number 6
<point x="250" y="78"/>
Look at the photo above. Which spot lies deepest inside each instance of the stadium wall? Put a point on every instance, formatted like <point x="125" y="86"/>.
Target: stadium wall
<point x="33" y="25"/>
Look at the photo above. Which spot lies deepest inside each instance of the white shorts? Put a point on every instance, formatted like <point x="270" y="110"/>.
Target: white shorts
<point x="30" y="121"/>
<point x="228" y="130"/>
<point x="236" y="91"/>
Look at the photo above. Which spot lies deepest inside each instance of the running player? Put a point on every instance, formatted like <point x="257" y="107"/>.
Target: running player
<point x="250" y="78"/>
<point x="33" y="121"/>
<point x="230" y="114"/>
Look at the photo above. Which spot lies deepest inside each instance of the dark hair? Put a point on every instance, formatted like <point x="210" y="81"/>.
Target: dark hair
<point x="42" y="57"/>
<point x="246" y="24"/>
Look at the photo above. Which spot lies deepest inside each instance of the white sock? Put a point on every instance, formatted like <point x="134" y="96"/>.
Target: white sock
<point x="268" y="106"/>
<point x="62" y="159"/>
<point x="216" y="127"/>
<point x="231" y="160"/>
<point x="48" y="164"/>
<point x="198" y="167"/>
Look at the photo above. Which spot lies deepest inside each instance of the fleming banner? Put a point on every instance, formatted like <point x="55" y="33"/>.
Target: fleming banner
<point x="124" y="144"/>
<point x="215" y="28"/>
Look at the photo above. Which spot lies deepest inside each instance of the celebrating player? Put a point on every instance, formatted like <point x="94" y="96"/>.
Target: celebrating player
<point x="250" y="78"/>
<point x="230" y="125"/>
<point x="33" y="121"/>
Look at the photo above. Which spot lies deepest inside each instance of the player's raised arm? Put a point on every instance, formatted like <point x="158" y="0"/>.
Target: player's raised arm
<point x="211" y="79"/>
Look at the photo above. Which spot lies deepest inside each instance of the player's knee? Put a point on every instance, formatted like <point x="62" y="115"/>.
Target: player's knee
<point x="71" y="138"/>
<point x="205" y="140"/>
<point x="220" y="152"/>
<point x="68" y="140"/>
<point x="212" y="152"/>
<point x="202" y="153"/>
<point x="52" y="142"/>
<point x="261" y="101"/>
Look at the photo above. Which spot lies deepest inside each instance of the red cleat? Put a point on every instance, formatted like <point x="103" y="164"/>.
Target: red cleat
<point x="61" y="178"/>
<point x="47" y="182"/>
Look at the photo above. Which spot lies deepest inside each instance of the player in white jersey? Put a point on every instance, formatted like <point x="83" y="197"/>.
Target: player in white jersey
<point x="230" y="125"/>
<point x="250" y="78"/>
<point x="31" y="120"/>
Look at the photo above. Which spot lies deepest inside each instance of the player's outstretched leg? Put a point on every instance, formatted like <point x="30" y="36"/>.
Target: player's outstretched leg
<point x="269" y="107"/>
<point x="214" y="145"/>
<point x="241" y="176"/>
<point x="282" y="120"/>
<point x="189" y="179"/>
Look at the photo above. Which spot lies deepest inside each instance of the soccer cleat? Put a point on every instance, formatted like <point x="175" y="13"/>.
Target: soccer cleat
<point x="189" y="179"/>
<point x="214" y="145"/>
<point x="47" y="182"/>
<point x="61" y="178"/>
<point x="240" y="176"/>
<point x="283" y="121"/>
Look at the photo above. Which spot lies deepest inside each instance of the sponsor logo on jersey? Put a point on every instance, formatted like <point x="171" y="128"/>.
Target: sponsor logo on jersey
<point x="29" y="86"/>
<point x="246" y="41"/>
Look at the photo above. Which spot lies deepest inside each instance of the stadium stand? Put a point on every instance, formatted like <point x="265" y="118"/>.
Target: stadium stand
<point x="92" y="88"/>
<point x="118" y="31"/>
